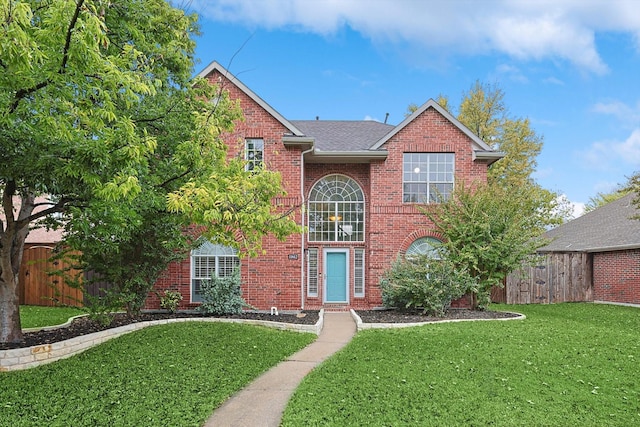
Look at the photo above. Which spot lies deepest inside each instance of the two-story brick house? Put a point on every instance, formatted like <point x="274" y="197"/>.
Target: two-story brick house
<point x="355" y="186"/>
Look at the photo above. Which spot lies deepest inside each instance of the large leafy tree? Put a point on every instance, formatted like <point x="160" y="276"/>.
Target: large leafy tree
<point x="98" y="112"/>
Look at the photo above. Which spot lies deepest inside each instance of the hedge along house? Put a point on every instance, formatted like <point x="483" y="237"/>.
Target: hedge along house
<point x="356" y="187"/>
<point x="595" y="257"/>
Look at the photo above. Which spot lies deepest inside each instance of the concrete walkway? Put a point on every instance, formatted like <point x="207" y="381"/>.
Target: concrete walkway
<point x="262" y="402"/>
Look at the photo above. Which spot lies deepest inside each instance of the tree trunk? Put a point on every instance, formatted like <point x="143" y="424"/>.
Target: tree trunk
<point x="10" y="326"/>
<point x="13" y="234"/>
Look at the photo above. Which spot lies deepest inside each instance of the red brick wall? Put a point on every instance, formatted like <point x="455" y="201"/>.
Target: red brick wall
<point x="616" y="276"/>
<point x="394" y="225"/>
<point x="390" y="225"/>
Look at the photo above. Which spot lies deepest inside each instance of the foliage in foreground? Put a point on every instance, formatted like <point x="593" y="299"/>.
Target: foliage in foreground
<point x="222" y="295"/>
<point x="488" y="231"/>
<point x="569" y="364"/>
<point x="425" y="283"/>
<point x="170" y="375"/>
<point x="33" y="316"/>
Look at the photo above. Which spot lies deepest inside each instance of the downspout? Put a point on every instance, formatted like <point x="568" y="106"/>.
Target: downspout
<point x="302" y="221"/>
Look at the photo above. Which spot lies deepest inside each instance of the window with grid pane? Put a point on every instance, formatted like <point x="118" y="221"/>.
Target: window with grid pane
<point x="358" y="273"/>
<point x="429" y="246"/>
<point x="254" y="153"/>
<point x="209" y="260"/>
<point x="427" y="177"/>
<point x="336" y="210"/>
<point x="312" y="272"/>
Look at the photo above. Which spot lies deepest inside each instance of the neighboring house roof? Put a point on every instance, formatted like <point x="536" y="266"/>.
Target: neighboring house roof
<point x="608" y="228"/>
<point x="39" y="234"/>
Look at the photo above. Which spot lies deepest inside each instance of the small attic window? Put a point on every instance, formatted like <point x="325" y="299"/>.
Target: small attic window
<point x="254" y="153"/>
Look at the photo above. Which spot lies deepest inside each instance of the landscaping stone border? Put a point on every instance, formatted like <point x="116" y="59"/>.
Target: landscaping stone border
<point x="362" y="326"/>
<point x="29" y="357"/>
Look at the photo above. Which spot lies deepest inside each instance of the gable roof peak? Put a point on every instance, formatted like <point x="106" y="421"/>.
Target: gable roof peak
<point x="481" y="146"/>
<point x="215" y="66"/>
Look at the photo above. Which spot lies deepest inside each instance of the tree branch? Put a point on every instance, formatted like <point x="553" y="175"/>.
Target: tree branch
<point x="23" y="93"/>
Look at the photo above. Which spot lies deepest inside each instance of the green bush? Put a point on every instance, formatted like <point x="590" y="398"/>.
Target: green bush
<point x="170" y="300"/>
<point x="424" y="283"/>
<point x="222" y="295"/>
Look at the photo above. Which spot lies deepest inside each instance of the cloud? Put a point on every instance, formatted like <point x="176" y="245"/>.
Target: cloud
<point x="605" y="155"/>
<point x="619" y="110"/>
<point x="524" y="30"/>
<point x="578" y="209"/>
<point x="554" y="81"/>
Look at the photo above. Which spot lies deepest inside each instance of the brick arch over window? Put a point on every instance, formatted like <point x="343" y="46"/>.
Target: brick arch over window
<point x="418" y="234"/>
<point x="336" y="210"/>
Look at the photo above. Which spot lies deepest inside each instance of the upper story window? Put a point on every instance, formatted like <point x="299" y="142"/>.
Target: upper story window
<point x="336" y="210"/>
<point x="427" y="177"/>
<point x="210" y="260"/>
<point x="254" y="153"/>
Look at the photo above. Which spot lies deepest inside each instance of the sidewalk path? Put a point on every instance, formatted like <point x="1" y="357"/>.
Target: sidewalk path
<point x="262" y="402"/>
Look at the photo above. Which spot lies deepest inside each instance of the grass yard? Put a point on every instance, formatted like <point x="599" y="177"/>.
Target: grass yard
<point x="33" y="316"/>
<point x="169" y="375"/>
<point x="565" y="365"/>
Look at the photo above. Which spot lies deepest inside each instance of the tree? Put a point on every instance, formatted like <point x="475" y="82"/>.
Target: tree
<point x="484" y="112"/>
<point x="98" y="111"/>
<point x="488" y="231"/>
<point x="620" y="191"/>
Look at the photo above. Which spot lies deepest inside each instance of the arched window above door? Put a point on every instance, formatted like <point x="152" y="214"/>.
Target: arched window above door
<point x="336" y="210"/>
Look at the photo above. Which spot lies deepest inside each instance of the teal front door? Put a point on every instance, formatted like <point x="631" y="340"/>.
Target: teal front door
<point x="335" y="275"/>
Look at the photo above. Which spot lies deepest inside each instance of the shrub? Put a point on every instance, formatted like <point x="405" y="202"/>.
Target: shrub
<point x="222" y="295"/>
<point x="170" y="300"/>
<point x="424" y="283"/>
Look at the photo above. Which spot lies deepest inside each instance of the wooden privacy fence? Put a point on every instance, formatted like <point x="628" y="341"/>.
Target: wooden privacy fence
<point x="553" y="278"/>
<point x="37" y="287"/>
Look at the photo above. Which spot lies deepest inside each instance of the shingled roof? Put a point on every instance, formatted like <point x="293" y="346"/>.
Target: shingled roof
<point x="340" y="135"/>
<point x="333" y="141"/>
<point x="608" y="228"/>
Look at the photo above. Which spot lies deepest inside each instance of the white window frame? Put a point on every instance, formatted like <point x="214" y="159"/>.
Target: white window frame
<point x="254" y="153"/>
<point x="358" y="272"/>
<point x="336" y="210"/>
<point x="433" y="173"/>
<point x="312" y="272"/>
<point x="216" y="258"/>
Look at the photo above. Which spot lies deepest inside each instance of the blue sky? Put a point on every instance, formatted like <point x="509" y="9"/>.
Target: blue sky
<point x="571" y="66"/>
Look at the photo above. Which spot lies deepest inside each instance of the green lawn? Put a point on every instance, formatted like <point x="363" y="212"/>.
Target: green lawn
<point x="169" y="375"/>
<point x="565" y="365"/>
<point x="32" y="316"/>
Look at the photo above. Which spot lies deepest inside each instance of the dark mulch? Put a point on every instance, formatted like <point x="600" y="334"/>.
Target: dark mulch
<point x="416" y="316"/>
<point x="84" y="325"/>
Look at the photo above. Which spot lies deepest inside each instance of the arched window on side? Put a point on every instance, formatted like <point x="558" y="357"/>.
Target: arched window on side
<point x="429" y="246"/>
<point x="209" y="260"/>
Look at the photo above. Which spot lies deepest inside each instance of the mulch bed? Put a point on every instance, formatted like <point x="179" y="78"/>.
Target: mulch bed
<point x="416" y="316"/>
<point x="84" y="325"/>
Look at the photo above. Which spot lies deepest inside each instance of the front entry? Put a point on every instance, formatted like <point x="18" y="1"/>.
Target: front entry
<point x="336" y="269"/>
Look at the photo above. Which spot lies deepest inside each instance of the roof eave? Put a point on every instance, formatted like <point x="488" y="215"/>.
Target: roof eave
<point x="595" y="249"/>
<point x="305" y="142"/>
<point x="490" y="156"/>
<point x="363" y="156"/>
